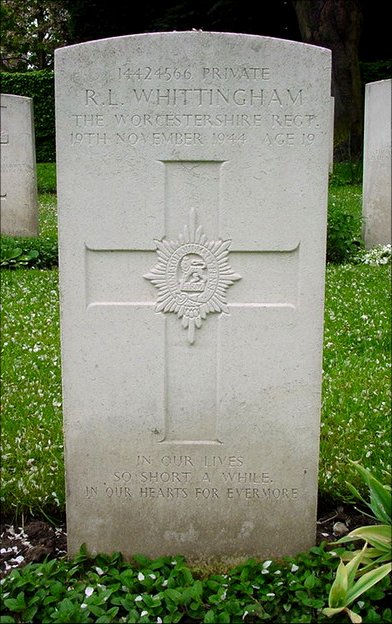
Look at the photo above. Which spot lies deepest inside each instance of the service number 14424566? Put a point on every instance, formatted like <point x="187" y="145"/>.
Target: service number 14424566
<point x="150" y="73"/>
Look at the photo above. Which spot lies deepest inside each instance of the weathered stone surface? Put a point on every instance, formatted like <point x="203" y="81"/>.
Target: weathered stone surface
<point x="192" y="181"/>
<point x="376" y="203"/>
<point x="19" y="206"/>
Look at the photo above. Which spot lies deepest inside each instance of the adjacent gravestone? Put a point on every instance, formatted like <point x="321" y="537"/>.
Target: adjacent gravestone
<point x="19" y="207"/>
<point x="192" y="181"/>
<point x="376" y="206"/>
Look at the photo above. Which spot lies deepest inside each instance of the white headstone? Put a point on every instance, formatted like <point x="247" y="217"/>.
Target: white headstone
<point x="192" y="181"/>
<point x="19" y="206"/>
<point x="376" y="202"/>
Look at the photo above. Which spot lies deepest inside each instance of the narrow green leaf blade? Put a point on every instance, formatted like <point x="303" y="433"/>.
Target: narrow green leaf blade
<point x="338" y="591"/>
<point x="367" y="581"/>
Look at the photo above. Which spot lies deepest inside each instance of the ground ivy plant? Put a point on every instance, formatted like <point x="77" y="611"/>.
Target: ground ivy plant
<point x="166" y="590"/>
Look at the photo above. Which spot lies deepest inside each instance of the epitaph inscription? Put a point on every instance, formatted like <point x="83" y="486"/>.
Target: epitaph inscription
<point x="192" y="276"/>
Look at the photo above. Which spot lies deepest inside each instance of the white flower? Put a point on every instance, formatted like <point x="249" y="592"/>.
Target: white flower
<point x="266" y="564"/>
<point x="143" y="613"/>
<point x="138" y="598"/>
<point x="83" y="605"/>
<point x="271" y="595"/>
<point x="159" y="620"/>
<point x="99" y="571"/>
<point x="294" y="568"/>
<point x="88" y="591"/>
<point x="245" y="614"/>
<point x="141" y="576"/>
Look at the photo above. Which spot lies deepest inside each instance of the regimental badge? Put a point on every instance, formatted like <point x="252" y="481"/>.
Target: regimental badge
<point x="192" y="276"/>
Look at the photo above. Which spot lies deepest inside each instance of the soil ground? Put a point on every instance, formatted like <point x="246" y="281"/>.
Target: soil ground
<point x="39" y="539"/>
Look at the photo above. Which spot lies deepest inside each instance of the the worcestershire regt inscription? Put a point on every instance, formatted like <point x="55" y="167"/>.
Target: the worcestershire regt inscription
<point x="192" y="276"/>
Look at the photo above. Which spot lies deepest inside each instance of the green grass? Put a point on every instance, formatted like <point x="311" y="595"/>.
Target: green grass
<point x="344" y="233"/>
<point x="46" y="177"/>
<point x="32" y="442"/>
<point x="357" y="375"/>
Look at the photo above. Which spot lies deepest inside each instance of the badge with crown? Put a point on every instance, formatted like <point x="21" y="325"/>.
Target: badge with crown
<point x="192" y="276"/>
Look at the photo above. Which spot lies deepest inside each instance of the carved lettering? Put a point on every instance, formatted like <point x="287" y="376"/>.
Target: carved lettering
<point x="238" y="73"/>
<point x="169" y="492"/>
<point x="118" y="492"/>
<point x="206" y="493"/>
<point x="196" y="97"/>
<point x="165" y="477"/>
<point x="176" y="138"/>
<point x="177" y="460"/>
<point x="142" y="459"/>
<point x="263" y="493"/>
<point x="88" y="120"/>
<point x="292" y="120"/>
<point x="246" y="477"/>
<point x="225" y="460"/>
<point x="89" y="138"/>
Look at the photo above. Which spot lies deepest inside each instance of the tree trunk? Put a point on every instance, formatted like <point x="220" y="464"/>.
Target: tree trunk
<point x="336" y="24"/>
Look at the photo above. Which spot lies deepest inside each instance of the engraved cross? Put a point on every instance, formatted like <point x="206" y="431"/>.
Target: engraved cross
<point x="189" y="276"/>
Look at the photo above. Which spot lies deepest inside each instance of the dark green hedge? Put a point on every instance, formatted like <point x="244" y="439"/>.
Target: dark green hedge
<point x="39" y="85"/>
<point x="375" y="70"/>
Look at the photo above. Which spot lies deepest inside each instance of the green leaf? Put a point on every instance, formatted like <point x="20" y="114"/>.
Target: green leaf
<point x="354" y="617"/>
<point x="209" y="617"/>
<point x="108" y="617"/>
<point x="330" y="612"/>
<point x="28" y="615"/>
<point x="12" y="253"/>
<point x="196" y="590"/>
<point x="378" y="535"/>
<point x="142" y="560"/>
<point x="353" y="565"/>
<point x="367" y="581"/>
<point x="173" y="595"/>
<point x="310" y="581"/>
<point x="97" y="610"/>
<point x="338" y="591"/>
<point x="380" y="495"/>
<point x="17" y="604"/>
